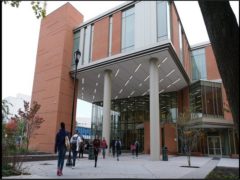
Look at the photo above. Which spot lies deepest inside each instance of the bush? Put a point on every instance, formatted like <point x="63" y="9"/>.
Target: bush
<point x="223" y="173"/>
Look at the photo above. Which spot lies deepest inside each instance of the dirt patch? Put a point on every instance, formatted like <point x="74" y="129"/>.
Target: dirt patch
<point x="223" y="173"/>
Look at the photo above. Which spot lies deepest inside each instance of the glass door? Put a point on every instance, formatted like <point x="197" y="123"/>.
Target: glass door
<point x="214" y="146"/>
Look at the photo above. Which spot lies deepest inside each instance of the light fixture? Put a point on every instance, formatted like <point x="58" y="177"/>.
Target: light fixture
<point x="146" y="78"/>
<point x="116" y="97"/>
<point x="176" y="81"/>
<point x="82" y="80"/>
<point x="120" y="91"/>
<point x="159" y="65"/>
<point x="164" y="59"/>
<point x="96" y="83"/>
<point x="161" y="80"/>
<point x="126" y="82"/>
<point x="99" y="75"/>
<point x="169" y="86"/>
<point x="161" y="91"/>
<point x="130" y="77"/>
<point x="140" y="85"/>
<point x="117" y="73"/>
<point x="132" y="93"/>
<point x="93" y="97"/>
<point x="95" y="90"/>
<point x="137" y="68"/>
<point x="170" y="73"/>
<point x="82" y="88"/>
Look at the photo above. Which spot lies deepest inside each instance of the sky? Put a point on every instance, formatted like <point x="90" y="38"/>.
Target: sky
<point x="20" y="31"/>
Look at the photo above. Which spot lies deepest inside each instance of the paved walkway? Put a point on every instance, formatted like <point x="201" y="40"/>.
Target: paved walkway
<point x="127" y="167"/>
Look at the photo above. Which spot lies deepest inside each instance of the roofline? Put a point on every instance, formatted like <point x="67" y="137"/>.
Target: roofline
<point x="106" y="13"/>
<point x="200" y="45"/>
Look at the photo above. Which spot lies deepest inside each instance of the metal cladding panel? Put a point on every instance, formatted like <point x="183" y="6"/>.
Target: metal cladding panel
<point x="87" y="44"/>
<point x="145" y="24"/>
<point x="81" y="45"/>
<point x="139" y="25"/>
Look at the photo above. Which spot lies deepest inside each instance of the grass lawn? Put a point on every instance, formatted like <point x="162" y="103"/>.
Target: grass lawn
<point x="223" y="173"/>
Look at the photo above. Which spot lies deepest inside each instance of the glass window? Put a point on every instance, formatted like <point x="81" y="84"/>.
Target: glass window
<point x="162" y="31"/>
<point x="198" y="64"/>
<point x="76" y="41"/>
<point x="128" y="30"/>
<point x="168" y="107"/>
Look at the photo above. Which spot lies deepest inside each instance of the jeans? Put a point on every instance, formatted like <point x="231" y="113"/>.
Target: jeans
<point x="103" y="152"/>
<point x="61" y="157"/>
<point x="74" y="156"/>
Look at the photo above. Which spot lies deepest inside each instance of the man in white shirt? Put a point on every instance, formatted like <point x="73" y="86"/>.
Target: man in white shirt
<point x="75" y="142"/>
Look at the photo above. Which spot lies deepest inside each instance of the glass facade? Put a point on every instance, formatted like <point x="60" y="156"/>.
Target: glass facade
<point x="198" y="64"/>
<point x="162" y="30"/>
<point x="128" y="29"/>
<point x="128" y="117"/>
<point x="206" y="99"/>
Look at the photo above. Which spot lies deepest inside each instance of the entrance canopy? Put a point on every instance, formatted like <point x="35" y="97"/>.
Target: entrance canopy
<point x="130" y="74"/>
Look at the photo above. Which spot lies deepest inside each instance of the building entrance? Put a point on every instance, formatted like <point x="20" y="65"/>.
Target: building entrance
<point x="214" y="146"/>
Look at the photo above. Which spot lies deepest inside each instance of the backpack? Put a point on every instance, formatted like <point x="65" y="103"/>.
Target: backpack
<point x="74" y="142"/>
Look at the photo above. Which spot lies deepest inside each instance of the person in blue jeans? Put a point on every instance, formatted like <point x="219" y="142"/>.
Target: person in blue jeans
<point x="75" y="142"/>
<point x="61" y="148"/>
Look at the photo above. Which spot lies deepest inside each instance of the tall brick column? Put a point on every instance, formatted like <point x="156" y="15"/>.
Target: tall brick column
<point x="53" y="85"/>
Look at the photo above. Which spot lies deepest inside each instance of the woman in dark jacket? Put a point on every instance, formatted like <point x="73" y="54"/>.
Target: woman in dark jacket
<point x="96" y="146"/>
<point x="60" y="147"/>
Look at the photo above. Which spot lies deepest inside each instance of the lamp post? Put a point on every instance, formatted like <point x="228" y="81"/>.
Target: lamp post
<point x="77" y="56"/>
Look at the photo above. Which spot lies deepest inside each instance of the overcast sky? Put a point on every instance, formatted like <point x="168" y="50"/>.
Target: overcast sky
<point x="20" y="31"/>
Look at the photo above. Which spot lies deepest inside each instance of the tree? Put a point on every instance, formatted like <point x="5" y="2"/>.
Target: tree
<point x="223" y="32"/>
<point x="5" y="109"/>
<point x="187" y="134"/>
<point x="31" y="119"/>
<point x="40" y="11"/>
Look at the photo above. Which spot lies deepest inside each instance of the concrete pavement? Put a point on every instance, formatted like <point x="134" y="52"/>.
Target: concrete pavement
<point x="128" y="167"/>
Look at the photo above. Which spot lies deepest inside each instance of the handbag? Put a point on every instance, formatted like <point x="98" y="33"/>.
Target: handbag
<point x="67" y="143"/>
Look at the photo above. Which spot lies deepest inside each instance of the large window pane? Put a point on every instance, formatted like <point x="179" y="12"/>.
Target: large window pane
<point x="75" y="45"/>
<point x="161" y="20"/>
<point x="128" y="30"/>
<point x="198" y="64"/>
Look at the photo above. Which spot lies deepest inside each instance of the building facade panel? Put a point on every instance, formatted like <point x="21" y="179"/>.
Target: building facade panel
<point x="174" y="28"/>
<point x="100" y="39"/>
<point x="186" y="56"/>
<point x="212" y="69"/>
<point x="116" y="33"/>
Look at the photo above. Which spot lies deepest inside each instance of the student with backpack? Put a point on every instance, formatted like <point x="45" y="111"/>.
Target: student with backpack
<point x="60" y="147"/>
<point x="118" y="145"/>
<point x="136" y="147"/>
<point x="75" y="142"/>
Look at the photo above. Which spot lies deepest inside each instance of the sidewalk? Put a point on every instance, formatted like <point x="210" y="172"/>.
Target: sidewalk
<point x="127" y="167"/>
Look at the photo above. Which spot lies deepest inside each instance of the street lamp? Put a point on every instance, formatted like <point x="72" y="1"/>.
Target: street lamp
<point x="77" y="56"/>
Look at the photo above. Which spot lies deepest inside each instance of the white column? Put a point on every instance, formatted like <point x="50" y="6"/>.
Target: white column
<point x="154" y="111"/>
<point x="107" y="106"/>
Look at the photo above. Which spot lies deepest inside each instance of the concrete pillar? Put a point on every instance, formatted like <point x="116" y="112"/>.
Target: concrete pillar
<point x="107" y="106"/>
<point x="154" y="111"/>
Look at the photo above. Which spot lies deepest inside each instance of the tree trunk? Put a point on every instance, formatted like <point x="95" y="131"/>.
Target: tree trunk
<point x="223" y="32"/>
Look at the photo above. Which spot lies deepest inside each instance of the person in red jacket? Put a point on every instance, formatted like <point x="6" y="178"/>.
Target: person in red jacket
<point x="96" y="146"/>
<point x="104" y="146"/>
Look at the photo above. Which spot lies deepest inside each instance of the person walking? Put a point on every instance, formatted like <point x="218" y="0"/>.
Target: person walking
<point x="132" y="147"/>
<point x="81" y="147"/>
<point x="136" y="147"/>
<point x="96" y="146"/>
<point x="118" y="145"/>
<point x="104" y="146"/>
<point x="61" y="148"/>
<point x="75" y="142"/>
<point x="113" y="147"/>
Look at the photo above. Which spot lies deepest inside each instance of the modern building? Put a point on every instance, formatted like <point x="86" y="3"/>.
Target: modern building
<point x="139" y="72"/>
